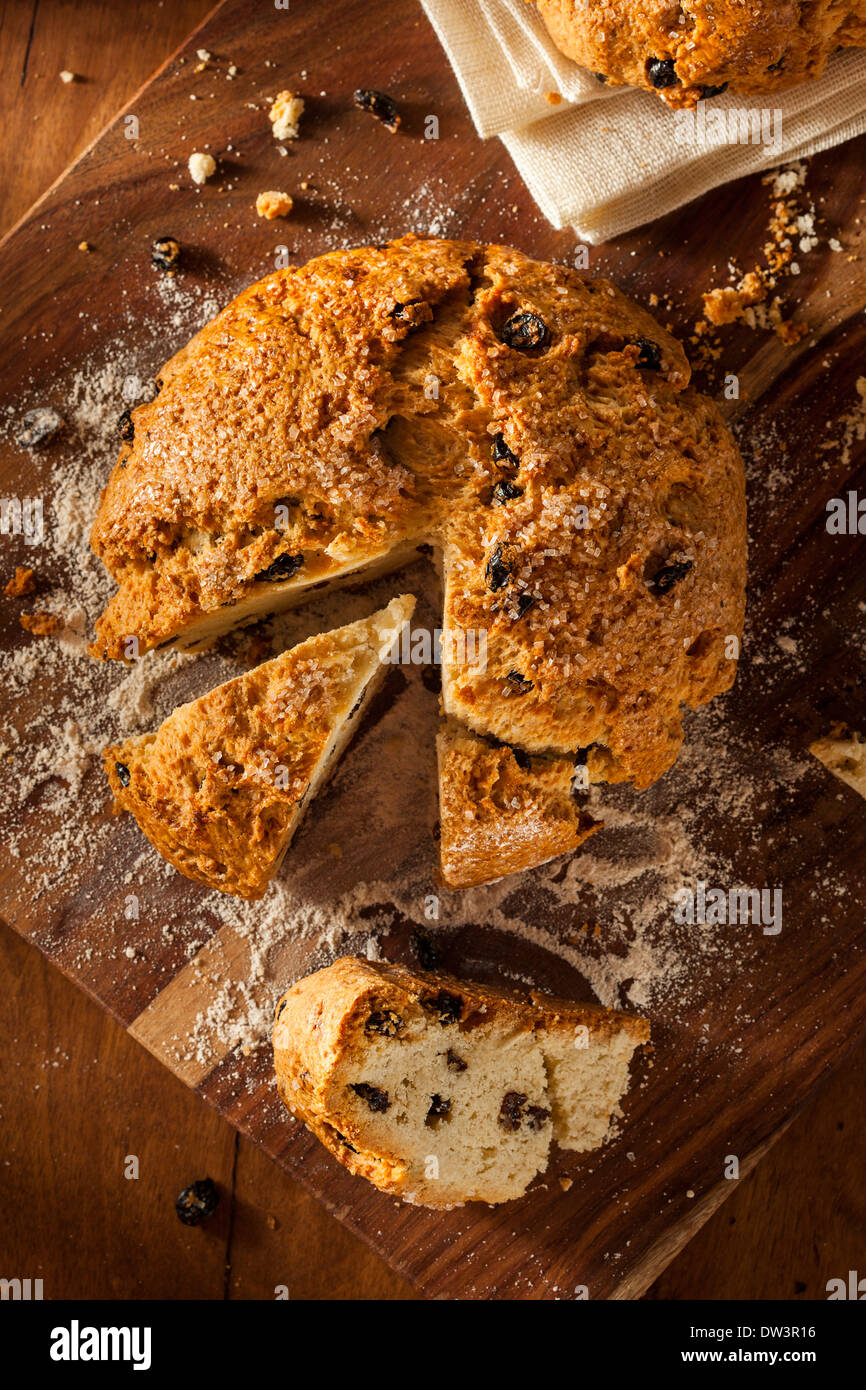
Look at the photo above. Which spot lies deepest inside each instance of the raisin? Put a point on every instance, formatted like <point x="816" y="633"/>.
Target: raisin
<point x="522" y="604"/>
<point x="283" y="568"/>
<point x="384" y="1022"/>
<point x="669" y="575"/>
<point x="496" y="572"/>
<point x="778" y="65"/>
<point x="453" y="1062"/>
<point x="511" y="1110"/>
<point x="650" y="354"/>
<point x="165" y="253"/>
<point x="426" y="951"/>
<point x="440" y="1109"/>
<point x="600" y="77"/>
<point x="522" y="759"/>
<point x="503" y="492"/>
<point x="377" y="1100"/>
<point x="710" y="91"/>
<point x="521" y="684"/>
<point x="123" y="775"/>
<point x="661" y="72"/>
<point x="431" y="679"/>
<point x="126" y="427"/>
<point x="502" y="455"/>
<point x="197" y="1202"/>
<point x="536" y="1116"/>
<point x="38" y="426"/>
<point x="525" y="330"/>
<point x="449" y="1007"/>
<point x="380" y="105"/>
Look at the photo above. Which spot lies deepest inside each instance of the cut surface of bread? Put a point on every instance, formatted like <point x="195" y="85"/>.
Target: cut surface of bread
<point x="844" y="755"/>
<point x="687" y="53"/>
<point x="220" y="788"/>
<point x="441" y="1091"/>
<point x="502" y="811"/>
<point x="538" y="430"/>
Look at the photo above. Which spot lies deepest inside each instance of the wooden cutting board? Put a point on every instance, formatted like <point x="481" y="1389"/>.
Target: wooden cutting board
<point x="748" y="1024"/>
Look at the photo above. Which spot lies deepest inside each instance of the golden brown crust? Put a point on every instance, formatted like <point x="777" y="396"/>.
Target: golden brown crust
<point x="497" y="815"/>
<point x="750" y="46"/>
<point x="375" y="399"/>
<point x="218" y="788"/>
<point x="324" y="1019"/>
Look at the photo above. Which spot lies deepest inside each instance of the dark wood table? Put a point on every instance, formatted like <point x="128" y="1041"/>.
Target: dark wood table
<point x="77" y="1091"/>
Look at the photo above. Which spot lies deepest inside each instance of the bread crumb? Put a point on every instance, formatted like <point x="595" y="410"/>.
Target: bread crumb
<point x="566" y="1183"/>
<point x="273" y="204"/>
<point x="42" y="623"/>
<point x="84" y="246"/>
<point x="22" y="582"/>
<point x="201" y="166"/>
<point x="554" y="98"/>
<point x="67" y="76"/>
<point x="285" y="113"/>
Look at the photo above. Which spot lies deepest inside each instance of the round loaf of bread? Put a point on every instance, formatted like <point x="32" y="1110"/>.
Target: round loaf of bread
<point x="537" y="429"/>
<point x="689" y="51"/>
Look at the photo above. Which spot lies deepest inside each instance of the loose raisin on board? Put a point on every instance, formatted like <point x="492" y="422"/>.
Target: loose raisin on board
<point x="426" y="951"/>
<point x="502" y="455"/>
<point x="536" y="1116"/>
<point x="197" y="1202"/>
<point x="521" y="684"/>
<point x="649" y="355"/>
<point x="165" y="253"/>
<point x="669" y="575"/>
<point x="380" y="105"/>
<point x="377" y="1100"/>
<point x="525" y="330"/>
<point x="126" y="427"/>
<point x="710" y="91"/>
<point x="283" y="568"/>
<point x="511" y="1110"/>
<point x="661" y="72"/>
<point x="503" y="492"/>
<point x="38" y="426"/>
<point x="440" y="1109"/>
<point x="384" y="1022"/>
<point x="453" y="1062"/>
<point x="123" y="775"/>
<point x="496" y="572"/>
<point x="448" y="1007"/>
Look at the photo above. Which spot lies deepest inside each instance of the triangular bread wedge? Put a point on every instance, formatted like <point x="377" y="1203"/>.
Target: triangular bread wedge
<point x="220" y="788"/>
<point x="441" y="1091"/>
<point x="501" y="811"/>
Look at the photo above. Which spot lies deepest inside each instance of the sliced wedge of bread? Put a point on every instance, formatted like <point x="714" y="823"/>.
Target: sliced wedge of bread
<point x="221" y="786"/>
<point x="441" y="1091"/>
<point x="502" y="811"/>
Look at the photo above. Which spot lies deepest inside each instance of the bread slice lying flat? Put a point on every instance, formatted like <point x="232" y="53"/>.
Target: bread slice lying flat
<point x="441" y="1091"/>
<point x="502" y="811"/>
<point x="220" y="788"/>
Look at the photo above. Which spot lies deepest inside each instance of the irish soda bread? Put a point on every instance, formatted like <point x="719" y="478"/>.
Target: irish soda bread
<point x="501" y="811"/>
<point x="441" y="1091"/>
<point x="536" y="428"/>
<point x="689" y="51"/>
<point x="220" y="788"/>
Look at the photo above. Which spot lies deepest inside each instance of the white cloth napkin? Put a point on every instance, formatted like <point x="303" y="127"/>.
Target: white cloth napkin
<point x="607" y="159"/>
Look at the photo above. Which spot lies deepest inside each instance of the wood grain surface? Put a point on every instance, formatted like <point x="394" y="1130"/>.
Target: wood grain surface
<point x="790" y="560"/>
